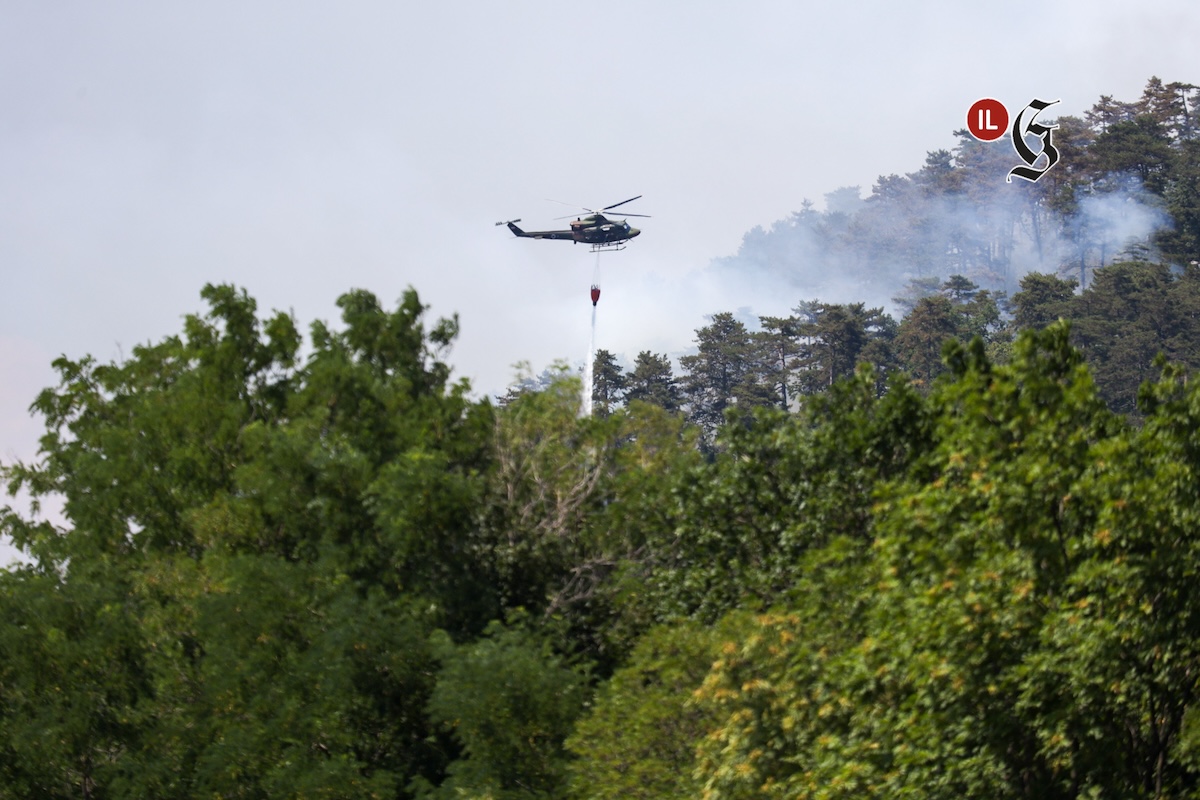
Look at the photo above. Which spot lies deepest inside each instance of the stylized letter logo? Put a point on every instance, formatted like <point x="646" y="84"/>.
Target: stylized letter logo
<point x="1020" y="128"/>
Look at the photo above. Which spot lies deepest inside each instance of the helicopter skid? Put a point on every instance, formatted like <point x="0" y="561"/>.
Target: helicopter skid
<point x="599" y="246"/>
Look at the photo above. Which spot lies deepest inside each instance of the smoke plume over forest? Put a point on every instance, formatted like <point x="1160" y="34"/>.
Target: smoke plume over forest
<point x="956" y="215"/>
<point x="1123" y="188"/>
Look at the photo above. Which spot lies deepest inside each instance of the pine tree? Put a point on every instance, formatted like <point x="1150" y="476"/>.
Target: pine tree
<point x="725" y="372"/>
<point x="1042" y="300"/>
<point x="779" y="343"/>
<point x="653" y="381"/>
<point x="922" y="334"/>
<point x="608" y="382"/>
<point x="836" y="339"/>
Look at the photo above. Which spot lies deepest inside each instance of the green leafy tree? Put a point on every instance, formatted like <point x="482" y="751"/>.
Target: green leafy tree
<point x="1027" y="632"/>
<point x="510" y="702"/>
<point x="71" y="678"/>
<point x="133" y="447"/>
<point x="779" y="487"/>
<point x="608" y="599"/>
<point x="640" y="737"/>
<point x="969" y="561"/>
<point x="265" y="529"/>
<point x="275" y="678"/>
<point x="914" y="694"/>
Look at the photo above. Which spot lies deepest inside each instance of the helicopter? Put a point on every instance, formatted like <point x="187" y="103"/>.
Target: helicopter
<point x="595" y="229"/>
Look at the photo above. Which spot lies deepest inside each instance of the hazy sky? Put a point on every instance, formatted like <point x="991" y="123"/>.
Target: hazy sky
<point x="301" y="149"/>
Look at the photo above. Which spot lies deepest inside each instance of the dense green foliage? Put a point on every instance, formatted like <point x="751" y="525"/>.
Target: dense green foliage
<point x="345" y="578"/>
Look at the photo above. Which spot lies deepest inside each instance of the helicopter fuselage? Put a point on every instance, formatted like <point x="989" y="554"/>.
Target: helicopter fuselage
<point x="594" y="229"/>
<point x="598" y="229"/>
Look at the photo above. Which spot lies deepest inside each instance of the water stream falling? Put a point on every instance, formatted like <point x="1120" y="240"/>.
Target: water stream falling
<point x="589" y="367"/>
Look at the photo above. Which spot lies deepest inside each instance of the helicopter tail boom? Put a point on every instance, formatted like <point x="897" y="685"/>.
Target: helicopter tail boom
<point x="512" y="226"/>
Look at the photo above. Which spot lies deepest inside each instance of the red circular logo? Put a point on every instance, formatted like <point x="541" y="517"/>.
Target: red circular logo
<point x="987" y="119"/>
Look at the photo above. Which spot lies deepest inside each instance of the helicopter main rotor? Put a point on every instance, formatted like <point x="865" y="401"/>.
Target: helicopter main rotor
<point x="600" y="211"/>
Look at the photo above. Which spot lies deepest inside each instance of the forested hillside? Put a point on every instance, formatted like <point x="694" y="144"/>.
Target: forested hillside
<point x="838" y="556"/>
<point x="1109" y="239"/>
<point x="1127" y="183"/>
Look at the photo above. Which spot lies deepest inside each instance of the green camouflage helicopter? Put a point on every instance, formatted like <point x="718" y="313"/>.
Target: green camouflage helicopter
<point x="595" y="229"/>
